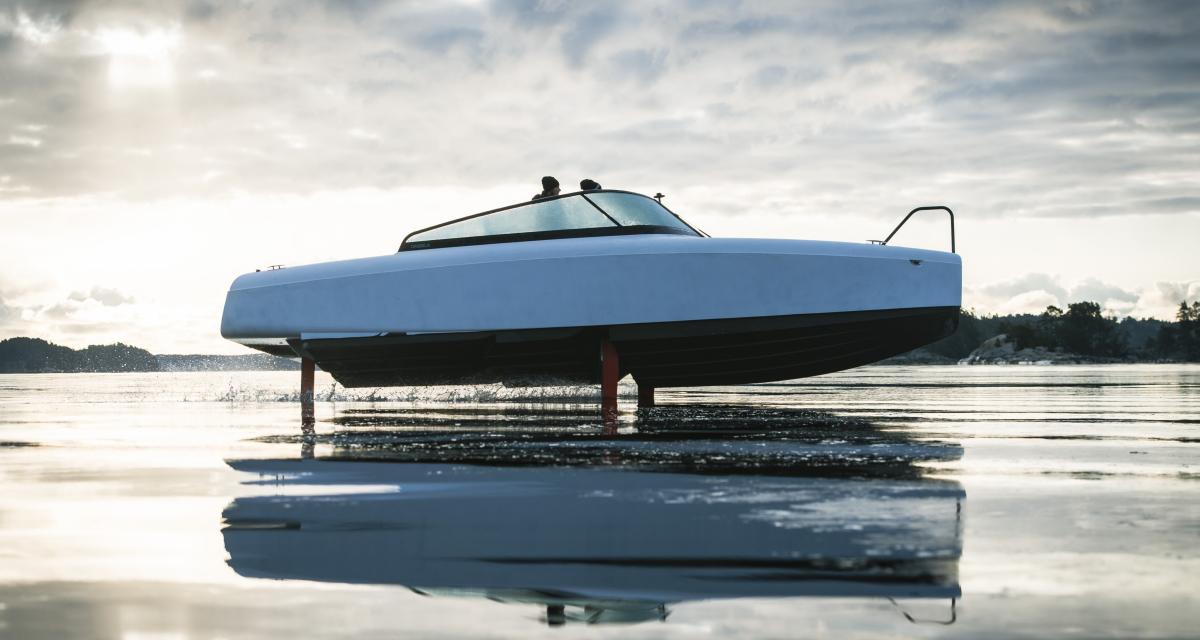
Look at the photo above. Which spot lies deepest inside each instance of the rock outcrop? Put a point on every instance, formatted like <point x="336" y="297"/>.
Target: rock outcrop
<point x="1003" y="350"/>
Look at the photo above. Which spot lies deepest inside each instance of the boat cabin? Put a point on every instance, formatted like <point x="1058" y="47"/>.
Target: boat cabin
<point x="573" y="215"/>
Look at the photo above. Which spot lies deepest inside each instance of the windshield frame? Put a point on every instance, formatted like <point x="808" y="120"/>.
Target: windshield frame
<point x="617" y="229"/>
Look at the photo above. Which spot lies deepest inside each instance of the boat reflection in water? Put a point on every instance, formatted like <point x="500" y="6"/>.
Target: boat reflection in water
<point x="611" y="530"/>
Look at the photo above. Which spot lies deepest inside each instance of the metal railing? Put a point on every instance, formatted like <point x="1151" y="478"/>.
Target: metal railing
<point x="910" y="214"/>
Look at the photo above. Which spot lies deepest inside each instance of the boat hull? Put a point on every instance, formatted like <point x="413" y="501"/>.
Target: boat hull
<point x="682" y="311"/>
<point x="679" y="354"/>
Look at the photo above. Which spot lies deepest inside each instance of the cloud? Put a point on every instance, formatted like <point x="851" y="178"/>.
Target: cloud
<point x="94" y="328"/>
<point x="1028" y="293"/>
<point x="1033" y="292"/>
<point x="61" y="311"/>
<point x="106" y="297"/>
<point x="1030" y="282"/>
<point x="1013" y="109"/>
<point x="591" y="28"/>
<point x="12" y="316"/>
<point x="11" y="311"/>
<point x="1093" y="289"/>
<point x="1178" y="292"/>
<point x="1162" y="300"/>
<point x="1029" y="302"/>
<point x="103" y="312"/>
<point x="642" y="65"/>
<point x="8" y="313"/>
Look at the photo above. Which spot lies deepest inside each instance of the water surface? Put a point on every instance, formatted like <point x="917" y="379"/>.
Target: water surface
<point x="880" y="502"/>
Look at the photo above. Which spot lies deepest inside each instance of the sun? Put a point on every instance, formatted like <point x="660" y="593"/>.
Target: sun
<point x="140" y="58"/>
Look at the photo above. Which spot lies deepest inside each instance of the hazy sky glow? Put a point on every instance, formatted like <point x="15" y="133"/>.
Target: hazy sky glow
<point x="150" y="152"/>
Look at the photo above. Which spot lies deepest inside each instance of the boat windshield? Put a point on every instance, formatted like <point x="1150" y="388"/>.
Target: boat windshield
<point x="571" y="215"/>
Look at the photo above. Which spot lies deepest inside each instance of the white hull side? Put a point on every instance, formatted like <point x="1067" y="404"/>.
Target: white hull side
<point x="586" y="282"/>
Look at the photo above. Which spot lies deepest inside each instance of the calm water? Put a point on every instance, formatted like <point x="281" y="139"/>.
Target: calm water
<point x="881" y="502"/>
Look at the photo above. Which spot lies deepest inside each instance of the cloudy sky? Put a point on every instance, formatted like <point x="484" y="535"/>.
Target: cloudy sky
<point x="152" y="151"/>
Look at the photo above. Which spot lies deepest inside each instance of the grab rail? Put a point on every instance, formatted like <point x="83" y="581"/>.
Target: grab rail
<point x="915" y="620"/>
<point x="910" y="214"/>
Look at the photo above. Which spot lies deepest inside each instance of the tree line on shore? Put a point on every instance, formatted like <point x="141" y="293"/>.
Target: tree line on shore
<point x="1083" y="330"/>
<point x="34" y="355"/>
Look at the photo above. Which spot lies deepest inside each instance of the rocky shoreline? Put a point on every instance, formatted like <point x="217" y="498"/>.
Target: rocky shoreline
<point x="1001" y="349"/>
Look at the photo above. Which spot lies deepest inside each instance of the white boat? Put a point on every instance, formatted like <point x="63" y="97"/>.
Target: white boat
<point x="530" y="292"/>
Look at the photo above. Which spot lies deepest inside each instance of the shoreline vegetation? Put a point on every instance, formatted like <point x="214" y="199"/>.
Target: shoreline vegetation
<point x="1080" y="334"/>
<point x="34" y="355"/>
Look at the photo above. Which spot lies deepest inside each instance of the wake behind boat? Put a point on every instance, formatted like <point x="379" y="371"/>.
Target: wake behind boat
<point x="534" y="292"/>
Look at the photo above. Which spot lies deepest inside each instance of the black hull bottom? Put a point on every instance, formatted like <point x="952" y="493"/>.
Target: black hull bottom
<point x="674" y="354"/>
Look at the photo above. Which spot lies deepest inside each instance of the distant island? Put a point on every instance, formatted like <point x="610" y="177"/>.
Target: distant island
<point x="1080" y="334"/>
<point x="34" y="355"/>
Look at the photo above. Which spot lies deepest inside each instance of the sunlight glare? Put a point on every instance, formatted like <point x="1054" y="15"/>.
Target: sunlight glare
<point x="140" y="58"/>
